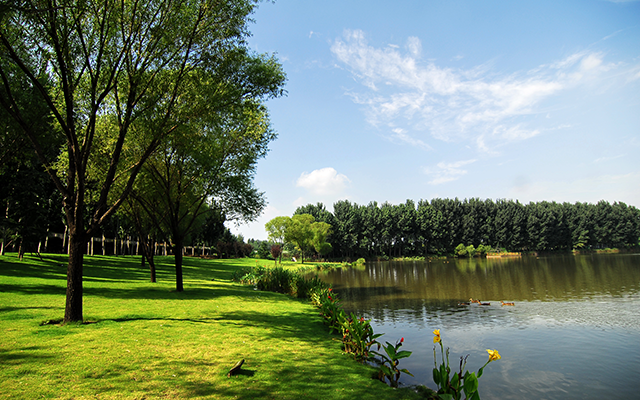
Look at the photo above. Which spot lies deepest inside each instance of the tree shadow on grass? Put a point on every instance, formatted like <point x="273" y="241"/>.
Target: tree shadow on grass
<point x="21" y="355"/>
<point x="200" y="291"/>
<point x="296" y="325"/>
<point x="49" y="268"/>
<point x="10" y="309"/>
<point x="34" y="289"/>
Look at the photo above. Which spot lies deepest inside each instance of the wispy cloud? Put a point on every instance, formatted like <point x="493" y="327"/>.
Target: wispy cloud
<point x="323" y="182"/>
<point x="447" y="172"/>
<point x="455" y="104"/>
<point x="400" y="135"/>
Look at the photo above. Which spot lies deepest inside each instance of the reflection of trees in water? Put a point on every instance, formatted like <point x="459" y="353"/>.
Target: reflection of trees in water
<point x="440" y="284"/>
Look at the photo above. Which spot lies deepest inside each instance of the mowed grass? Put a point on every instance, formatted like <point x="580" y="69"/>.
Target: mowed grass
<point x="143" y="340"/>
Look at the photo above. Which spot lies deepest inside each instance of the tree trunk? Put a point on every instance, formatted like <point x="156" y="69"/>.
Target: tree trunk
<point x="73" y="307"/>
<point x="177" y="252"/>
<point x="148" y="253"/>
<point x="152" y="268"/>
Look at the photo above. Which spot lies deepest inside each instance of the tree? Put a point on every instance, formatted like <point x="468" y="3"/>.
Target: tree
<point x="277" y="230"/>
<point x="321" y="230"/>
<point x="307" y="235"/>
<point x="126" y="61"/>
<point x="207" y="165"/>
<point x="347" y="228"/>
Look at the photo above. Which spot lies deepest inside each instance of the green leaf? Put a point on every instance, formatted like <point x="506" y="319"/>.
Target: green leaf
<point x="443" y="374"/>
<point x="445" y="396"/>
<point x="455" y="381"/>
<point x="386" y="370"/>
<point x="403" y="354"/>
<point x="480" y="371"/>
<point x="436" y="376"/>
<point x="470" y="384"/>
<point x="406" y="371"/>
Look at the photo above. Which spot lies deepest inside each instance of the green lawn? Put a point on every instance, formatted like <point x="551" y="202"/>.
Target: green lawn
<point x="143" y="340"/>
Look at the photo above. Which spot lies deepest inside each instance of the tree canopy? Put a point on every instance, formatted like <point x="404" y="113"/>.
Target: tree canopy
<point x="301" y="230"/>
<point x="118" y="78"/>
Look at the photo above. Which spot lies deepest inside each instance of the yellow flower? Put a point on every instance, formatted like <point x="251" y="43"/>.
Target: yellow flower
<point x="436" y="338"/>
<point x="493" y="355"/>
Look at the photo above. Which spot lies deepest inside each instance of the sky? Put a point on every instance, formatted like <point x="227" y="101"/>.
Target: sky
<point x="417" y="99"/>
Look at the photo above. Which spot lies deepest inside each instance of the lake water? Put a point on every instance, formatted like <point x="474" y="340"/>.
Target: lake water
<point x="574" y="332"/>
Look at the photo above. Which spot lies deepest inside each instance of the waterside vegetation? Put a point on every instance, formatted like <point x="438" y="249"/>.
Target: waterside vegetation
<point x="440" y="226"/>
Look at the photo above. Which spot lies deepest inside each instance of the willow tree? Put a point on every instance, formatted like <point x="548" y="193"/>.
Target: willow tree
<point x="123" y="60"/>
<point x="207" y="171"/>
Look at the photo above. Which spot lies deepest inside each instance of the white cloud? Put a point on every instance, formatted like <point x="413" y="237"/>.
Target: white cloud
<point x="455" y="104"/>
<point x="325" y="181"/>
<point x="414" y="46"/>
<point x="400" y="135"/>
<point x="447" y="172"/>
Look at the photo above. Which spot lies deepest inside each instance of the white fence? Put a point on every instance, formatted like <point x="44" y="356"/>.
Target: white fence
<point x="107" y="246"/>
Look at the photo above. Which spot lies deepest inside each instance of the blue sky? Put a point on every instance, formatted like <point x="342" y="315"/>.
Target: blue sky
<point x="397" y="100"/>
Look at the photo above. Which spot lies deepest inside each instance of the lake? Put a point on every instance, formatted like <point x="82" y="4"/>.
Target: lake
<point x="573" y="333"/>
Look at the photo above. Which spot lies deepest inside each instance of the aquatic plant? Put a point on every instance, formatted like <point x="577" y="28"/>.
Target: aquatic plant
<point x="451" y="387"/>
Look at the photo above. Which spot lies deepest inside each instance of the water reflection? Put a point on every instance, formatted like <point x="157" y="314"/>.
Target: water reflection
<point x="445" y="283"/>
<point x="570" y="311"/>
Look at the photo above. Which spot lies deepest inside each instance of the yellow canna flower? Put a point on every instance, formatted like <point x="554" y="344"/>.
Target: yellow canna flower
<point x="436" y="338"/>
<point x="493" y="355"/>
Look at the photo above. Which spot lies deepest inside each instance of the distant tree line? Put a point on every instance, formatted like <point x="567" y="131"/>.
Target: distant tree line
<point x="440" y="225"/>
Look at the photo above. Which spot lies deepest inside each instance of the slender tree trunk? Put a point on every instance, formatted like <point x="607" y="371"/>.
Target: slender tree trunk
<point x="177" y="252"/>
<point x="152" y="267"/>
<point x="73" y="307"/>
<point x="148" y="250"/>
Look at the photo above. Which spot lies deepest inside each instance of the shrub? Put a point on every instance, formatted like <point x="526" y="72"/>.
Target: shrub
<point x="357" y="336"/>
<point x="471" y="251"/>
<point x="277" y="280"/>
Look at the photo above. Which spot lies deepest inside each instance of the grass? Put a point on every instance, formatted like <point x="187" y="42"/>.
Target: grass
<point x="143" y="340"/>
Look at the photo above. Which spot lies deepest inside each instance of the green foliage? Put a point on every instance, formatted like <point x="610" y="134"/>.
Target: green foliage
<point x="387" y="231"/>
<point x="330" y="308"/>
<point x="264" y="250"/>
<point x="280" y="280"/>
<point x="302" y="231"/>
<point x="462" y="381"/>
<point x="389" y="363"/>
<point x="461" y="250"/>
<point x="173" y="83"/>
<point x="357" y="336"/>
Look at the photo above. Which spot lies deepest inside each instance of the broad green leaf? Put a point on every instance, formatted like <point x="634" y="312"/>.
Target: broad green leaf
<point x="436" y="376"/>
<point x="403" y="354"/>
<point x="470" y="384"/>
<point x="455" y="381"/>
